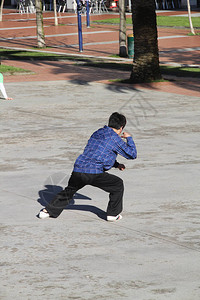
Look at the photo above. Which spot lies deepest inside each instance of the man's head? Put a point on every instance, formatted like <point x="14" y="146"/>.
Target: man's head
<point x="117" y="121"/>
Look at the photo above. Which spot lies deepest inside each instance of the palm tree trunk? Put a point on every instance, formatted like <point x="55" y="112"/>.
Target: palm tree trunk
<point x="55" y="12"/>
<point x="39" y="22"/>
<point x="122" y="29"/>
<point x="190" y="18"/>
<point x="146" y="57"/>
<point x="1" y="9"/>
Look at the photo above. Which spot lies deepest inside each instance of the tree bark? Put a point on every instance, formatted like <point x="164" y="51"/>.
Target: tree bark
<point x="146" y="57"/>
<point x="39" y="22"/>
<point x="1" y="9"/>
<point x="122" y="29"/>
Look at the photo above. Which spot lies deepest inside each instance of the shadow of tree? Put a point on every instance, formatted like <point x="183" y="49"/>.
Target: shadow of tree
<point x="80" y="74"/>
<point x="181" y="56"/>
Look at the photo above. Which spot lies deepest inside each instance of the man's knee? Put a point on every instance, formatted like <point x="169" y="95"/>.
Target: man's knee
<point x="120" y="185"/>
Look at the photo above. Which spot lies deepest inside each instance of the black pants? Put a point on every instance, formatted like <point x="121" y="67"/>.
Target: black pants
<point x="105" y="181"/>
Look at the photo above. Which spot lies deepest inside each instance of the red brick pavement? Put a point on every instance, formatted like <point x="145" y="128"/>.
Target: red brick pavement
<point x="94" y="39"/>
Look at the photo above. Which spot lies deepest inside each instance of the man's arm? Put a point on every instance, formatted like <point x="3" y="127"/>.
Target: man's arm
<point x="125" y="135"/>
<point x="126" y="149"/>
<point x="119" y="166"/>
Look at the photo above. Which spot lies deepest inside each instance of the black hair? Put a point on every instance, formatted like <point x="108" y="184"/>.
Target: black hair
<point x="117" y="121"/>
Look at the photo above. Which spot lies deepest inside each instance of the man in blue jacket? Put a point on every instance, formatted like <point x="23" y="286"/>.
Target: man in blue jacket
<point x="90" y="168"/>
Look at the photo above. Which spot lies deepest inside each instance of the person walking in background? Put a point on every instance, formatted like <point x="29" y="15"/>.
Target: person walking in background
<point x="2" y="88"/>
<point x="91" y="168"/>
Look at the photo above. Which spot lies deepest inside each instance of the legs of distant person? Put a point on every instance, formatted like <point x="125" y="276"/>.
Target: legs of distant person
<point x="2" y="88"/>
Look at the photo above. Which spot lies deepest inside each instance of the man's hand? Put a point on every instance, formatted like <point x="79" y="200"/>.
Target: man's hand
<point x="125" y="135"/>
<point x="121" y="167"/>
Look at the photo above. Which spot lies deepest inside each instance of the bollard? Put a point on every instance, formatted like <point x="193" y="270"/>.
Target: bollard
<point x="130" y="44"/>
<point x="80" y="38"/>
<point x="88" y="13"/>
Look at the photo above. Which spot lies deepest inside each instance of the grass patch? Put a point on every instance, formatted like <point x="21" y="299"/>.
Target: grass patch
<point x="115" y="56"/>
<point x="177" y="21"/>
<point x="165" y="21"/>
<point x="180" y="71"/>
<point x="108" y="65"/>
<point x="15" y="54"/>
<point x="129" y="81"/>
<point x="196" y="33"/>
<point x="35" y="55"/>
<point x="112" y="21"/>
<point x="11" y="70"/>
<point x="165" y="70"/>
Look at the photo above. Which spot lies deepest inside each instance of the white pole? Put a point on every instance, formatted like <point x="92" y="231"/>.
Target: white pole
<point x="189" y="16"/>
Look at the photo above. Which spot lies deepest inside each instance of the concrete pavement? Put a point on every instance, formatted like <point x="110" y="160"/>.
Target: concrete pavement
<point x="153" y="253"/>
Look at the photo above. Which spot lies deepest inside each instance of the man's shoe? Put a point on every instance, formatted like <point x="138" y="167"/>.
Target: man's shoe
<point x="43" y="214"/>
<point x="113" y="219"/>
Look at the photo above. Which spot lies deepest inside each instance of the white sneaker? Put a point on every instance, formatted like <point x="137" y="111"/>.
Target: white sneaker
<point x="43" y="215"/>
<point x="112" y="218"/>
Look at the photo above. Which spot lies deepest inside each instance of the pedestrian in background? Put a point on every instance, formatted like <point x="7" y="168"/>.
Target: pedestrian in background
<point x="2" y="88"/>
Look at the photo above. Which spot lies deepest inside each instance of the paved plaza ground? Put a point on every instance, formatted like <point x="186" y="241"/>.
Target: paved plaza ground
<point x="153" y="253"/>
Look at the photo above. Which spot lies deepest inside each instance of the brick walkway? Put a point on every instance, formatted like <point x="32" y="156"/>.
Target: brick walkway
<point x="19" y="31"/>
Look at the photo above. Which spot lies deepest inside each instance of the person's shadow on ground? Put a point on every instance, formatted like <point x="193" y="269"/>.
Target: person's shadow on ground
<point x="47" y="194"/>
